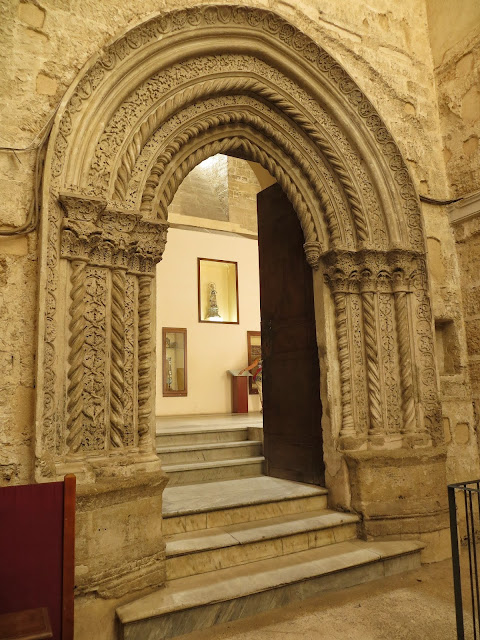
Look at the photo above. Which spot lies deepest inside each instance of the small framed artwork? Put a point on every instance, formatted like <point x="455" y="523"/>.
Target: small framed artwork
<point x="254" y="351"/>
<point x="174" y="346"/>
<point x="217" y="291"/>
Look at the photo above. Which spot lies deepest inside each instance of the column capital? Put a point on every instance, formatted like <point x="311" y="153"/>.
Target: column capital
<point x="110" y="237"/>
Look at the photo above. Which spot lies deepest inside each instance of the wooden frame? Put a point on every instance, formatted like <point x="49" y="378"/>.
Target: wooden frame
<point x="252" y="389"/>
<point x="167" y="391"/>
<point x="202" y="301"/>
<point x="39" y="593"/>
<point x="68" y="578"/>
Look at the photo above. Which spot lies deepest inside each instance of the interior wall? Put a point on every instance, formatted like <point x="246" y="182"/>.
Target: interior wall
<point x="212" y="348"/>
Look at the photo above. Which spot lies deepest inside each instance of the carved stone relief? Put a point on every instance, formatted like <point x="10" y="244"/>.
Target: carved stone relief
<point x="121" y="170"/>
<point x="112" y="256"/>
<point x="377" y="288"/>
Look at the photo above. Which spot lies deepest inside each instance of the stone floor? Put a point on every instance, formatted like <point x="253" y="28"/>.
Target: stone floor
<point x="417" y="605"/>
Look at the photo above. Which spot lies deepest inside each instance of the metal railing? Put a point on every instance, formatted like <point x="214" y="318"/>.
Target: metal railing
<point x="464" y="506"/>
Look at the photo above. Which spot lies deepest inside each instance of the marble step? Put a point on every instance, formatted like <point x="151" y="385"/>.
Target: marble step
<point x="221" y="547"/>
<point x="227" y="502"/>
<point x="208" y="452"/>
<point x="199" y="472"/>
<point x="198" y="602"/>
<point x="197" y="435"/>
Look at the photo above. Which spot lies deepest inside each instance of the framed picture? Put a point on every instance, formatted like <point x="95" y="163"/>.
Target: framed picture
<point x="254" y="351"/>
<point x="174" y="347"/>
<point x="217" y="291"/>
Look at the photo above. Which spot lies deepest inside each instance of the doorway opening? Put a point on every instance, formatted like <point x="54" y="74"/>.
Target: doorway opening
<point x="235" y="267"/>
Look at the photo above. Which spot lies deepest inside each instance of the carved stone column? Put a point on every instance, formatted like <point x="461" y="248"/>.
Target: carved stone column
<point x="403" y="321"/>
<point x="396" y="474"/>
<point x="76" y="354"/>
<point x="371" y="336"/>
<point x="373" y="294"/>
<point x="109" y="429"/>
<point x="144" y="360"/>
<point x="112" y="256"/>
<point x="117" y="358"/>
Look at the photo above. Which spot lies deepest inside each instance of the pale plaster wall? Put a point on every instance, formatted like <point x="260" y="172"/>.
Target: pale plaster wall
<point x="385" y="46"/>
<point x="212" y="348"/>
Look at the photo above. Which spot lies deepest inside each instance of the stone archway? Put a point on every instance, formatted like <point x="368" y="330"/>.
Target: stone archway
<point x="169" y="93"/>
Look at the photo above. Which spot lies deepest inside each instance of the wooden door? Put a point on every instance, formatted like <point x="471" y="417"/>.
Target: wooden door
<point x="291" y="377"/>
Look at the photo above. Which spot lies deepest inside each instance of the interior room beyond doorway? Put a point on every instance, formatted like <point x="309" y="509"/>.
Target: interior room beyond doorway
<point x="213" y="217"/>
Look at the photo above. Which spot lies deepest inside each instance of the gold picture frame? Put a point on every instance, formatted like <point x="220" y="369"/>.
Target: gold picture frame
<point x="218" y="291"/>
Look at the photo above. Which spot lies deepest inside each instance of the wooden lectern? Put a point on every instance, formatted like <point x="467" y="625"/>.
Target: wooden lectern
<point x="239" y="391"/>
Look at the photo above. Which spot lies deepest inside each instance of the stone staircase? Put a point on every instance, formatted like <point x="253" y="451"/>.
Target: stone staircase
<point x="239" y="543"/>
<point x="196" y="453"/>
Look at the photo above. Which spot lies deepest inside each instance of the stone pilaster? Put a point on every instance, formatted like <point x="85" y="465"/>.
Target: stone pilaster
<point x="109" y="251"/>
<point x="381" y="309"/>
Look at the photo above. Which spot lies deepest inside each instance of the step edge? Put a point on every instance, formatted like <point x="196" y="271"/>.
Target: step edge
<point x="182" y="432"/>
<point x="272" y="536"/>
<point x="416" y="548"/>
<point x="208" y="445"/>
<point x="239" y="505"/>
<point x="212" y="464"/>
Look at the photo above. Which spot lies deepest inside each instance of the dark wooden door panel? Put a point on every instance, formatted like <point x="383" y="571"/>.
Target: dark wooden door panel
<point x="291" y="377"/>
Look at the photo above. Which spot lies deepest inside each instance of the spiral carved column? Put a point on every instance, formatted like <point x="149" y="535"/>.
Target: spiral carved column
<point x="117" y="358"/>
<point x="144" y="358"/>
<point x="405" y="361"/>
<point x="373" y="371"/>
<point x="75" y="357"/>
<point x="348" y="428"/>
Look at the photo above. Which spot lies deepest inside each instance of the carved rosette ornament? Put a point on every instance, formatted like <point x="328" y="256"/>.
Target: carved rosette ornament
<point x="115" y="248"/>
<point x="383" y="290"/>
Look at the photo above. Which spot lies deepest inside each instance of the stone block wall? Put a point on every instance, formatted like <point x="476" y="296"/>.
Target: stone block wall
<point x="467" y="234"/>
<point x="446" y="280"/>
<point x="220" y="188"/>
<point x="456" y="55"/>
<point x="204" y="192"/>
<point x="243" y="187"/>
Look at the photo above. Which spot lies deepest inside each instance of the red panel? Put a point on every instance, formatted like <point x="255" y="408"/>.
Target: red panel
<point x="31" y="549"/>
<point x="239" y="394"/>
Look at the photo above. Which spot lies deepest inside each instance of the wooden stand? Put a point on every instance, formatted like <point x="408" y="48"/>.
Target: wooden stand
<point x="239" y="392"/>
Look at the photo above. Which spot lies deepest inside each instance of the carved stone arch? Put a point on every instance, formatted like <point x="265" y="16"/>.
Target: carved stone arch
<point x="255" y="32"/>
<point x="140" y="116"/>
<point x="241" y="142"/>
<point x="314" y="147"/>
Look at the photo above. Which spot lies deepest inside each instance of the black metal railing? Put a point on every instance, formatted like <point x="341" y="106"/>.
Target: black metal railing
<point x="464" y="506"/>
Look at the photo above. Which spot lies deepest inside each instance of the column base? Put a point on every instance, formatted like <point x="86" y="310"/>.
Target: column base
<point x="119" y="541"/>
<point x="400" y="493"/>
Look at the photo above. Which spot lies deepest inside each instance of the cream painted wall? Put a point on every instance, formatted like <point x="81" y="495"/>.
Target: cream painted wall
<point x="214" y="348"/>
